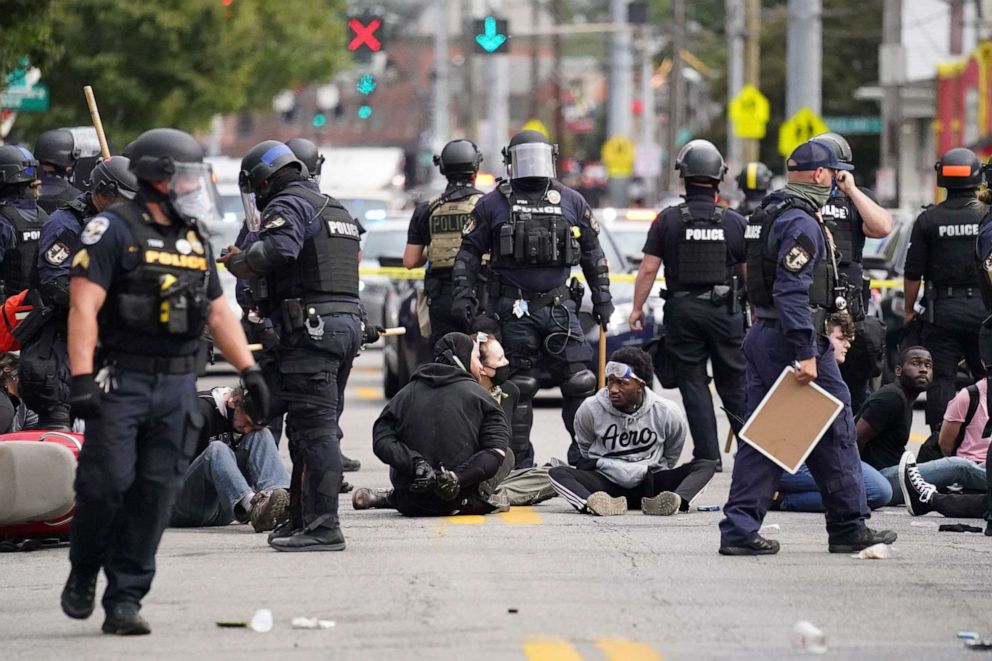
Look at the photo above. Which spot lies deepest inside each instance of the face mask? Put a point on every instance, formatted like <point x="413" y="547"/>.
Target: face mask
<point x="814" y="193"/>
<point x="500" y="375"/>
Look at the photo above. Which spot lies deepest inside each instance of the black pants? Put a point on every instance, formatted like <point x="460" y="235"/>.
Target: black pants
<point x="961" y="506"/>
<point x="130" y="468"/>
<point x="268" y="361"/>
<point x="952" y="336"/>
<point x="473" y="498"/>
<point x="696" y="331"/>
<point x="576" y="485"/>
<point x="439" y="289"/>
<point x="44" y="373"/>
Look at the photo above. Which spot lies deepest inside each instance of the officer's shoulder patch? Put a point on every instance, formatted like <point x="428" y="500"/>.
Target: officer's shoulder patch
<point x="57" y="254"/>
<point x="796" y="259"/>
<point x="987" y="264"/>
<point x="469" y="226"/>
<point x="273" y="222"/>
<point x="94" y="230"/>
<point x="81" y="259"/>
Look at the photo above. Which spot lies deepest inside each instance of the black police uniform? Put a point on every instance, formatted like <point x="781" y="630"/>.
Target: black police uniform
<point x="534" y="237"/>
<point x="310" y="291"/>
<point x="56" y="190"/>
<point x="702" y="245"/>
<point x="438" y="224"/>
<point x="942" y="252"/>
<point x="160" y="281"/>
<point x="20" y="252"/>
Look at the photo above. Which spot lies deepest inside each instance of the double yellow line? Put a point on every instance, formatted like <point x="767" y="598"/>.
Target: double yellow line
<point x="615" y="649"/>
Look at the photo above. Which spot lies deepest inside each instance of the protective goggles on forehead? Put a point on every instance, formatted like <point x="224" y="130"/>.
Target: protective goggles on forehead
<point x="621" y="371"/>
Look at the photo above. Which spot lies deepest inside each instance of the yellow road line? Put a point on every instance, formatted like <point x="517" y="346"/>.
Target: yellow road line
<point x="371" y="394"/>
<point x="466" y="520"/>
<point x="367" y="369"/>
<point x="550" y="649"/>
<point x="917" y="438"/>
<point x="521" y="516"/>
<point x="618" y="649"/>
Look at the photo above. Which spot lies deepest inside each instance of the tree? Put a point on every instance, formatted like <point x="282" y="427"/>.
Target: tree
<point x="179" y="62"/>
<point x="26" y="35"/>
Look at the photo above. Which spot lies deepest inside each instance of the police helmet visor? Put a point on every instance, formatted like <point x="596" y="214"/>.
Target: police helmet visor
<point x="85" y="143"/>
<point x="532" y="159"/>
<point x="193" y="193"/>
<point x="253" y="219"/>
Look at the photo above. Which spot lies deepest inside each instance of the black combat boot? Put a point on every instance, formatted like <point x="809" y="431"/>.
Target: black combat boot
<point x="79" y="594"/>
<point x="123" y="620"/>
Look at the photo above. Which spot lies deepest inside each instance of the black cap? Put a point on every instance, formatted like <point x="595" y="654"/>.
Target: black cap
<point x="454" y="345"/>
<point x="814" y="154"/>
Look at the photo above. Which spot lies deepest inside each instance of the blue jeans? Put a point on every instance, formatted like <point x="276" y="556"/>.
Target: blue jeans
<point x="799" y="492"/>
<point x="220" y="478"/>
<point x="942" y="473"/>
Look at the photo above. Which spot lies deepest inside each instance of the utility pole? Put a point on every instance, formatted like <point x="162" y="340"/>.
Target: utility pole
<point x="498" y="84"/>
<point x="648" y="129"/>
<point x="557" y="75"/>
<point x="804" y="55"/>
<point x="621" y="92"/>
<point x="735" y="74"/>
<point x="441" y="123"/>
<point x="892" y="70"/>
<point x="675" y="94"/>
<point x="534" y="42"/>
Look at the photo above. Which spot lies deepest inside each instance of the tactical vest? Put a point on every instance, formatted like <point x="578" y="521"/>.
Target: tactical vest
<point x="762" y="258"/>
<point x="328" y="261"/>
<point x="840" y="217"/>
<point x="20" y="264"/>
<point x="538" y="233"/>
<point x="448" y="215"/>
<point x="702" y="249"/>
<point x="951" y="244"/>
<point x="166" y="294"/>
<point x="80" y="211"/>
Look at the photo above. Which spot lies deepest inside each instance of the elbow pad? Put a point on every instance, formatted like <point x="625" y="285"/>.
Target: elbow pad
<point x="260" y="258"/>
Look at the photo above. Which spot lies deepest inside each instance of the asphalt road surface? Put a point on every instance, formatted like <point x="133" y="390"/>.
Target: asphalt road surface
<point x="541" y="584"/>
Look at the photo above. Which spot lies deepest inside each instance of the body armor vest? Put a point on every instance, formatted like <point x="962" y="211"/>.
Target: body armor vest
<point x="328" y="262"/>
<point x="537" y="233"/>
<point x="950" y="258"/>
<point x="166" y="294"/>
<point x="80" y="210"/>
<point x="840" y="217"/>
<point x="448" y="215"/>
<point x="19" y="265"/>
<point x="702" y="249"/>
<point x="762" y="258"/>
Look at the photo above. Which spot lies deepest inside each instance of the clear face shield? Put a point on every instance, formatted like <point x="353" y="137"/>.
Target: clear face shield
<point x="253" y="219"/>
<point x="532" y="159"/>
<point x="86" y="144"/>
<point x="193" y="193"/>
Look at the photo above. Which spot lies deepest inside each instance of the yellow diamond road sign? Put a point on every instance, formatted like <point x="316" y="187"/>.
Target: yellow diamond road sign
<point x="798" y="129"/>
<point x="749" y="111"/>
<point x="534" y="124"/>
<point x="618" y="156"/>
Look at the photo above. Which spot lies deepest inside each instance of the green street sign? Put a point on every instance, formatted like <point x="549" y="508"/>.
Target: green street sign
<point x="25" y="99"/>
<point x="858" y="125"/>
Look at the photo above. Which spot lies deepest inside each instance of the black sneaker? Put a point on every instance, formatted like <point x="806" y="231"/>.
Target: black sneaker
<point x="282" y="529"/>
<point x="365" y="498"/>
<point x="321" y="539"/>
<point x="917" y="493"/>
<point x="757" y="546"/>
<point x="123" y="620"/>
<point x="350" y="465"/>
<point x="79" y="595"/>
<point x="865" y="538"/>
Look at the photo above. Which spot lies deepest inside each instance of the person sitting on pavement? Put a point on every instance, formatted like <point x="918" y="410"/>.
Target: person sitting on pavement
<point x="799" y="493"/>
<point x="922" y="497"/>
<point x="237" y="474"/>
<point x="14" y="414"/>
<point x="630" y="439"/>
<point x="444" y="437"/>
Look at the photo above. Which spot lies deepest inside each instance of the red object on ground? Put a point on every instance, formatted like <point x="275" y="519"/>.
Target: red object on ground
<point x="58" y="528"/>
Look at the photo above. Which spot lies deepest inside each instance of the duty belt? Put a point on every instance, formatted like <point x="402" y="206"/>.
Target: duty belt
<point x="706" y="294"/>
<point x="536" y="300"/>
<point x="954" y="292"/>
<point x="154" y="364"/>
<point x="333" y="307"/>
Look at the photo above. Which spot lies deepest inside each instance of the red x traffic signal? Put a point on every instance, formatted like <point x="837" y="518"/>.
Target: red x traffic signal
<point x="364" y="30"/>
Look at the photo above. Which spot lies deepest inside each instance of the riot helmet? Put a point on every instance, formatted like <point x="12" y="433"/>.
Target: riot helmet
<point x="17" y="165"/>
<point x="839" y="145"/>
<point x="112" y="177"/>
<point x="459" y="157"/>
<point x="306" y="151"/>
<point x="755" y="177"/>
<point x="258" y="166"/>
<point x="959" y="168"/>
<point x="63" y="147"/>
<point x="529" y="155"/>
<point x="176" y="158"/>
<point x="700" y="159"/>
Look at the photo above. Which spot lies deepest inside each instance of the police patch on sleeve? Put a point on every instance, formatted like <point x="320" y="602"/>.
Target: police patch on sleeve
<point x="274" y="222"/>
<point x="469" y="226"/>
<point x="81" y="260"/>
<point x="94" y="230"/>
<point x="57" y="254"/>
<point x="796" y="259"/>
<point x="593" y="221"/>
<point x="987" y="264"/>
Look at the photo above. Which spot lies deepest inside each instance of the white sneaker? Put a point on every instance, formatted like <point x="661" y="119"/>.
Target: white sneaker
<point x="665" y="503"/>
<point x="603" y="504"/>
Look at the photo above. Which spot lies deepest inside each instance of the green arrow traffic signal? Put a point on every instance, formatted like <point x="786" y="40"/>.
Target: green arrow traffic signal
<point x="493" y="35"/>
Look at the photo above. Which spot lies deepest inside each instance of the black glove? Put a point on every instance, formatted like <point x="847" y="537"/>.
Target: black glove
<point x="587" y="464"/>
<point x="370" y="333"/>
<point x="424" y="477"/>
<point x="257" y="396"/>
<point x="447" y="485"/>
<point x="602" y="313"/>
<point x="84" y="396"/>
<point x="463" y="310"/>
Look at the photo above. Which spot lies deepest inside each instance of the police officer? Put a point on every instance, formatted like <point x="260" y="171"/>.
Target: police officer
<point x="702" y="246"/>
<point x="306" y="151"/>
<point x="144" y="285"/>
<point x="941" y="252"/>
<point x="57" y="151"/>
<point x="851" y="214"/>
<point x="304" y="272"/>
<point x="44" y="361"/>
<point x="21" y="219"/>
<point x="535" y="230"/>
<point x="753" y="181"/>
<point x="791" y="273"/>
<point x="435" y="232"/>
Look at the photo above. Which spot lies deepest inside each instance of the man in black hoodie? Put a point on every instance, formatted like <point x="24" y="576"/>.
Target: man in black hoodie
<point x="444" y="437"/>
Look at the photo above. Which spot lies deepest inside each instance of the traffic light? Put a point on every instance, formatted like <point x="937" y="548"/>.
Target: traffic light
<point x="319" y="119"/>
<point x="364" y="29"/>
<point x="364" y="111"/>
<point x="490" y="35"/>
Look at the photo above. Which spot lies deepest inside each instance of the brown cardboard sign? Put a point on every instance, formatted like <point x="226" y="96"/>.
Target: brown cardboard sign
<point x="790" y="420"/>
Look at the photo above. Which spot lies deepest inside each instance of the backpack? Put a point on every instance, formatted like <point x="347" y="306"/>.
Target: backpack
<point x="930" y="450"/>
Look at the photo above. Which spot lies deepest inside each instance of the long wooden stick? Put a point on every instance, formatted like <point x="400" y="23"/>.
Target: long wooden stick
<point x="97" y="123"/>
<point x="601" y="381"/>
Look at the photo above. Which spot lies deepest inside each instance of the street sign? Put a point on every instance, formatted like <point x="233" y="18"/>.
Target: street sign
<point x="364" y="30"/>
<point x="491" y="35"/>
<point x="864" y="125"/>
<point x="26" y="99"/>
<point x="798" y="129"/>
<point x="749" y="111"/>
<point x="617" y="155"/>
<point x="534" y="124"/>
<point x="647" y="160"/>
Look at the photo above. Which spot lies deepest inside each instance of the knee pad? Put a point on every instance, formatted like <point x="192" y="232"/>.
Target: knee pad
<point x="581" y="384"/>
<point x="527" y="384"/>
